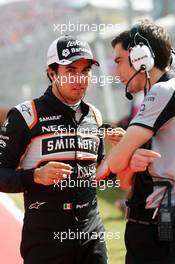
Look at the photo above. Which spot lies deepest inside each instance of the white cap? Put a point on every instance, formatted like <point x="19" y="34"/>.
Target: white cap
<point x="67" y="49"/>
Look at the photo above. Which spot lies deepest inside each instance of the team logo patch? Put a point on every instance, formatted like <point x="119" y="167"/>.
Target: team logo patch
<point x="25" y="108"/>
<point x="6" y="123"/>
<point x="36" y="205"/>
<point x="69" y="143"/>
<point x="2" y="143"/>
<point x="65" y="52"/>
<point x="67" y="206"/>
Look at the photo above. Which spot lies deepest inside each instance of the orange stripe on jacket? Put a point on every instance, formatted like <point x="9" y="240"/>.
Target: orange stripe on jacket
<point x="35" y="116"/>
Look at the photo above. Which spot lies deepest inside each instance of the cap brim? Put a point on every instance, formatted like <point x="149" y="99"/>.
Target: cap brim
<point x="78" y="57"/>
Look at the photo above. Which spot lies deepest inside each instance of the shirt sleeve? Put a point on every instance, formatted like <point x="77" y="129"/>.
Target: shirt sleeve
<point x="14" y="138"/>
<point x="157" y="107"/>
<point x="103" y="171"/>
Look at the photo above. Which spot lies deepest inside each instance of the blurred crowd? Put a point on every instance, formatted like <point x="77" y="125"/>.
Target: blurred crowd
<point x="23" y="19"/>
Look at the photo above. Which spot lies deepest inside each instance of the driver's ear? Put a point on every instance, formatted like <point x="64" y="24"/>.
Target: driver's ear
<point x="51" y="74"/>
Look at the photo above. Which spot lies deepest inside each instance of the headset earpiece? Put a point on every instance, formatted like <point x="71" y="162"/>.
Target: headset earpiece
<point x="140" y="52"/>
<point x="140" y="55"/>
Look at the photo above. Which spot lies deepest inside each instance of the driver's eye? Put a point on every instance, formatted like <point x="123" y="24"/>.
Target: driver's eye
<point x="86" y="71"/>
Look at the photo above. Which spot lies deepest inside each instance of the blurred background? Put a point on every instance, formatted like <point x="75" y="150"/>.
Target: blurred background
<point x="29" y="26"/>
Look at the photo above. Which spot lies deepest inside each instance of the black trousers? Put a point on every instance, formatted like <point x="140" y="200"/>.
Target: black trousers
<point x="74" y="252"/>
<point x="143" y="246"/>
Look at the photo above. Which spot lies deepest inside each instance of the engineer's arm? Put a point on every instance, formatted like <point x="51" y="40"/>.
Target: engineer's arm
<point x="154" y="112"/>
<point x="140" y="160"/>
<point x="120" y="156"/>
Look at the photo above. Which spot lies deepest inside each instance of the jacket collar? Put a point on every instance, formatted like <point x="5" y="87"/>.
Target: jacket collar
<point x="58" y="106"/>
<point x="166" y="76"/>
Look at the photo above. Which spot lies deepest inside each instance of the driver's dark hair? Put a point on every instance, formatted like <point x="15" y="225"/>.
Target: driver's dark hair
<point x="54" y="67"/>
<point x="157" y="37"/>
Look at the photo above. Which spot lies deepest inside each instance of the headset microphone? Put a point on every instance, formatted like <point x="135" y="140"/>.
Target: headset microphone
<point x="128" y="95"/>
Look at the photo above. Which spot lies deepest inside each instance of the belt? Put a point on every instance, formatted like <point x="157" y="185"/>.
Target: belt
<point x="141" y="215"/>
<point x="141" y="222"/>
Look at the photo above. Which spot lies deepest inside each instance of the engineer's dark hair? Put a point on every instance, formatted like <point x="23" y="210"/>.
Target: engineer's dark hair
<point x="158" y="38"/>
<point x="54" y="67"/>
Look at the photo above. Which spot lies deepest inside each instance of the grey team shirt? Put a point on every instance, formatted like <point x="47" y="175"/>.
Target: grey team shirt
<point x="157" y="112"/>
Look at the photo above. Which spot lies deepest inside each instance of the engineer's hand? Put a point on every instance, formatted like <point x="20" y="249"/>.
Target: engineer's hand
<point x="52" y="172"/>
<point x="142" y="158"/>
<point x="113" y="136"/>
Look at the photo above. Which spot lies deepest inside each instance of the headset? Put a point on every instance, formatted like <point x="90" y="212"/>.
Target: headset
<point x="141" y="57"/>
<point x="140" y="51"/>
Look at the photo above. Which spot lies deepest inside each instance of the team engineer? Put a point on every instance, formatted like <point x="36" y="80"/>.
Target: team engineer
<point x="144" y="57"/>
